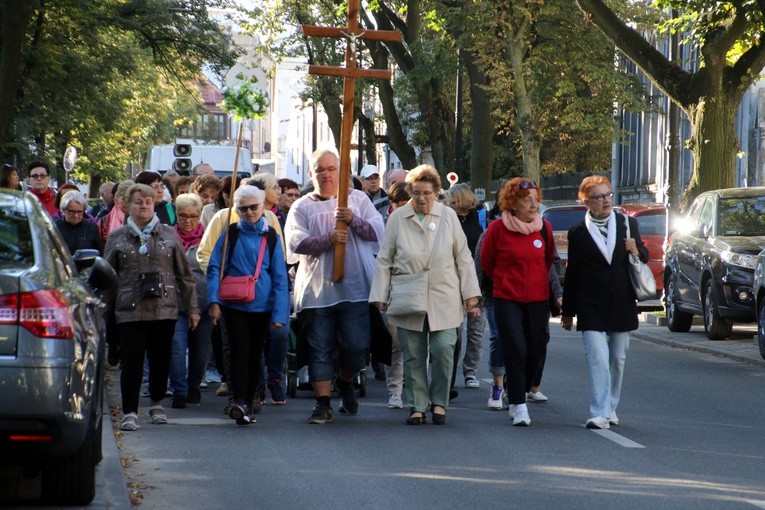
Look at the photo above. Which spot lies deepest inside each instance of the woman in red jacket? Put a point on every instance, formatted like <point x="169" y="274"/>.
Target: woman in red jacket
<point x="517" y="257"/>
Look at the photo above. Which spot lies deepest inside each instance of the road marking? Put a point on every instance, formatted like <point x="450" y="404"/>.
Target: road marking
<point x="618" y="439"/>
<point x="758" y="504"/>
<point x="200" y="421"/>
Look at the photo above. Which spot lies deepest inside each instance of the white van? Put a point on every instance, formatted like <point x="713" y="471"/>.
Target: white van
<point x="185" y="155"/>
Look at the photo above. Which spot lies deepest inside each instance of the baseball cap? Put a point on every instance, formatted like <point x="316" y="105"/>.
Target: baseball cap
<point x="368" y="171"/>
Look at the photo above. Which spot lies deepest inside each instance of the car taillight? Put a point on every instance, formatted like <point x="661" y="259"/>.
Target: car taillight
<point x="45" y="313"/>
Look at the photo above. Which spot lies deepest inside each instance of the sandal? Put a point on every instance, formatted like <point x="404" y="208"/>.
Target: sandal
<point x="414" y="419"/>
<point x="157" y="414"/>
<point x="129" y="422"/>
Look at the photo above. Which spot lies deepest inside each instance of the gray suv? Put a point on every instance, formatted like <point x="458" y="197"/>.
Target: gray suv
<point x="51" y="352"/>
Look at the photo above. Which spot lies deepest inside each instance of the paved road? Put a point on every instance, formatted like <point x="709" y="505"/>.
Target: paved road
<point x="691" y="437"/>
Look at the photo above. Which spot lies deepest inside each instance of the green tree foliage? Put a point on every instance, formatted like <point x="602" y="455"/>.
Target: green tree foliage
<point x="110" y="77"/>
<point x="732" y="55"/>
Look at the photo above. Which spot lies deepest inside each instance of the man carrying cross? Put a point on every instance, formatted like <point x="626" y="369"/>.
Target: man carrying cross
<point x="336" y="314"/>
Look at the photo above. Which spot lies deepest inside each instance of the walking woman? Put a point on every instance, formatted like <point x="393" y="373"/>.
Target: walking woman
<point x="248" y="322"/>
<point x="517" y="258"/>
<point x="151" y="263"/>
<point x="415" y="231"/>
<point x="598" y="292"/>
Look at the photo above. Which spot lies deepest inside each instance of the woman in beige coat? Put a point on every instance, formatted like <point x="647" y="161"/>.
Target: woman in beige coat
<point x="413" y="232"/>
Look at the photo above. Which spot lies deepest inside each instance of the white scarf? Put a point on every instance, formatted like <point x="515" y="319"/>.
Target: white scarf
<point x="606" y="246"/>
<point x="143" y="233"/>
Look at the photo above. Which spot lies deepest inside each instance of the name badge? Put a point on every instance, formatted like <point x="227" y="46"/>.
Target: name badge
<point x="537" y="243"/>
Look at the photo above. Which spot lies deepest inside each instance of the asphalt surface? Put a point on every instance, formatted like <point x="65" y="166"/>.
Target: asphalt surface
<point x="112" y="484"/>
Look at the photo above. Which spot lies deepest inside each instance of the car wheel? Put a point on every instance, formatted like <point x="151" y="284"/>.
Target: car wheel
<point x="72" y="480"/>
<point x="761" y="329"/>
<point x="715" y="326"/>
<point x="677" y="320"/>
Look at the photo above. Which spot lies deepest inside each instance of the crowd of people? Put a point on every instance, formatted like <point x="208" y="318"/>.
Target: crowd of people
<point x="218" y="272"/>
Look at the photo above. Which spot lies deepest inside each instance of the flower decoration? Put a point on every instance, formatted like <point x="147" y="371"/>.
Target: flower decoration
<point x="244" y="102"/>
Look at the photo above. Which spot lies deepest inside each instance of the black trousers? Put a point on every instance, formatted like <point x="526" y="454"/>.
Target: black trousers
<point x="246" y="333"/>
<point x="152" y="339"/>
<point x="522" y="330"/>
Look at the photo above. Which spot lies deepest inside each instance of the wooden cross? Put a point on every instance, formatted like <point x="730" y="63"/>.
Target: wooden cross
<point x="350" y="72"/>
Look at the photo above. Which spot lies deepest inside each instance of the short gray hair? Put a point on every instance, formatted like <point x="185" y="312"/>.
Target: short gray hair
<point x="248" y="192"/>
<point x="320" y="153"/>
<point x="187" y="201"/>
<point x="73" y="196"/>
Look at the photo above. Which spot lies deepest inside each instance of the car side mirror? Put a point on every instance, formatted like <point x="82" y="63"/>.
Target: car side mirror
<point x="84" y="259"/>
<point x="700" y="231"/>
<point x="102" y="277"/>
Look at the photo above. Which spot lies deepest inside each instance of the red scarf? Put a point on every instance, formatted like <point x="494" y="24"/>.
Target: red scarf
<point x="191" y="239"/>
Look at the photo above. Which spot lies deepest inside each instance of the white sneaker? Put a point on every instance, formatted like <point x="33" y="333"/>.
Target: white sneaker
<point x="613" y="420"/>
<point x="598" y="422"/>
<point x="511" y="411"/>
<point x="495" y="398"/>
<point x="395" y="402"/>
<point x="522" y="419"/>
<point x="536" y="396"/>
<point x="472" y="382"/>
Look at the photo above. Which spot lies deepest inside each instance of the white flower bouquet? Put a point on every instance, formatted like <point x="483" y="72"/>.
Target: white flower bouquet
<point x="244" y="102"/>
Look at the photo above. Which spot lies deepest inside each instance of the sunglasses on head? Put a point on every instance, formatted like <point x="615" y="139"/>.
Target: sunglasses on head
<point x="252" y="207"/>
<point x="527" y="184"/>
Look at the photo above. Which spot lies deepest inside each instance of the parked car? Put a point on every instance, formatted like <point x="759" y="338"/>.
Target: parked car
<point x="709" y="264"/>
<point x="652" y="223"/>
<point x="51" y="352"/>
<point x="759" y="299"/>
<point x="562" y="218"/>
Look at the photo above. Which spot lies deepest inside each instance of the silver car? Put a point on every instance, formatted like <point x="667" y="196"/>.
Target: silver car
<point x="51" y="352"/>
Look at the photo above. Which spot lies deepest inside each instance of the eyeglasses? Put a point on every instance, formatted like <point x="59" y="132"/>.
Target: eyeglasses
<point x="327" y="169"/>
<point x="158" y="186"/>
<point x="276" y="187"/>
<point x="529" y="184"/>
<point x="38" y="176"/>
<point x="73" y="212"/>
<point x="601" y="198"/>
<point x="418" y="194"/>
<point x="252" y="207"/>
<point x="188" y="217"/>
<point x="293" y="195"/>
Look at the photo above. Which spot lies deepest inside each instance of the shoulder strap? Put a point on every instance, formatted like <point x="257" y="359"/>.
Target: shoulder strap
<point x="543" y="232"/>
<point x="482" y="218"/>
<point x="170" y="212"/>
<point x="233" y="235"/>
<point x="262" y="252"/>
<point x="271" y="236"/>
<point x="627" y="224"/>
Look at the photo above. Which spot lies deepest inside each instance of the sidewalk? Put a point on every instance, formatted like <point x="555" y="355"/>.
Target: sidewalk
<point x="742" y="346"/>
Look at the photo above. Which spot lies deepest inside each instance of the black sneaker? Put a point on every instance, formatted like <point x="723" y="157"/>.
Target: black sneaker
<point x="349" y="404"/>
<point x="194" y="396"/>
<point x="322" y="413"/>
<point x="240" y="413"/>
<point x="113" y="354"/>
<point x="179" y="401"/>
<point x="256" y="406"/>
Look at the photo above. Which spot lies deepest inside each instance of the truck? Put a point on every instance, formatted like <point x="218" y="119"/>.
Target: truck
<point x="184" y="155"/>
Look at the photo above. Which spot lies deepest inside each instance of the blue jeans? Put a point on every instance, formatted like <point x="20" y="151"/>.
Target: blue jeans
<point x="496" y="355"/>
<point x="344" y="327"/>
<point x="198" y="345"/>
<point x="275" y="355"/>
<point x="605" y="353"/>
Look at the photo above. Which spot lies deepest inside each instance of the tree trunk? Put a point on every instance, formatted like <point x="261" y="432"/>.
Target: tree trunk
<point x="438" y="114"/>
<point x="481" y="125"/>
<point x="714" y="144"/>
<point x="14" y="16"/>
<point x="524" y="113"/>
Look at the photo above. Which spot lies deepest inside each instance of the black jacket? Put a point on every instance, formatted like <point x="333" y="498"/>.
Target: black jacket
<point x="82" y="236"/>
<point x="600" y="294"/>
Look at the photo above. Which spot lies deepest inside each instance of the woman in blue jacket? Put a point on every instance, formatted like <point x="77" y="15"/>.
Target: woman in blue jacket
<point x="248" y="323"/>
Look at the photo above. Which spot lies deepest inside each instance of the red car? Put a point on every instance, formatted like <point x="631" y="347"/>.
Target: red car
<point x="652" y="222"/>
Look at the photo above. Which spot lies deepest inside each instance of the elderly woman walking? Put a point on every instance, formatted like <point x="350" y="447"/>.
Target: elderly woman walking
<point x="598" y="292"/>
<point x="78" y="234"/>
<point x="252" y="248"/>
<point x="517" y="257"/>
<point x="151" y="263"/>
<point x="186" y="380"/>
<point x="426" y="236"/>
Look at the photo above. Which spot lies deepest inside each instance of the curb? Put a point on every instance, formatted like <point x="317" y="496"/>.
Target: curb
<point x="115" y="483"/>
